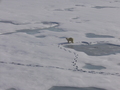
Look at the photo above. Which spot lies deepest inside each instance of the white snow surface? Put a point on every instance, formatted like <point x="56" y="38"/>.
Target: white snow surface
<point x="31" y="63"/>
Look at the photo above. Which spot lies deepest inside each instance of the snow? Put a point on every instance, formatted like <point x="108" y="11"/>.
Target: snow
<point x="32" y="39"/>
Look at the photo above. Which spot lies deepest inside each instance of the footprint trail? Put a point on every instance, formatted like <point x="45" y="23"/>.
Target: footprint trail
<point x="76" y="68"/>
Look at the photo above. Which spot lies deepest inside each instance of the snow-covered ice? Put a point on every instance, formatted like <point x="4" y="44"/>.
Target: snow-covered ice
<point x="32" y="39"/>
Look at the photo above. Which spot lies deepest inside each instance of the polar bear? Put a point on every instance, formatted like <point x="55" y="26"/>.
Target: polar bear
<point x="69" y="40"/>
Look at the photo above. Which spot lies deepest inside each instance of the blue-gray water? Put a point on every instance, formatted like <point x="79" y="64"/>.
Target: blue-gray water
<point x="90" y="66"/>
<point x="101" y="7"/>
<point x="11" y="89"/>
<point x="34" y="31"/>
<point x="75" y="88"/>
<point x="92" y="35"/>
<point x="96" y="49"/>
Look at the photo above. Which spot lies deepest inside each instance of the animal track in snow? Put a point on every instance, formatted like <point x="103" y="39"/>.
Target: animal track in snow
<point x="33" y="65"/>
<point x="74" y="63"/>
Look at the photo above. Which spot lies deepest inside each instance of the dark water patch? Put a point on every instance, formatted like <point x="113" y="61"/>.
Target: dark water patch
<point x="92" y="35"/>
<point x="117" y="1"/>
<point x="86" y="42"/>
<point x="90" y="66"/>
<point x="29" y="31"/>
<point x="80" y="5"/>
<point x="11" y="89"/>
<point x="118" y="64"/>
<point x="75" y="18"/>
<point x="34" y="31"/>
<point x="101" y="7"/>
<point x="7" y="33"/>
<point x="51" y="23"/>
<point x="3" y="62"/>
<point x="11" y="22"/>
<point x="55" y="29"/>
<point x="74" y="88"/>
<point x="17" y="23"/>
<point x="96" y="49"/>
<point x="69" y="9"/>
<point x="41" y="36"/>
